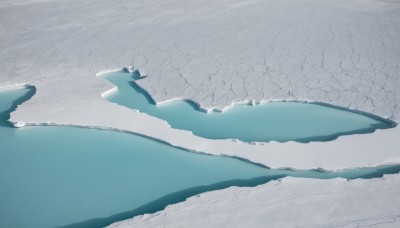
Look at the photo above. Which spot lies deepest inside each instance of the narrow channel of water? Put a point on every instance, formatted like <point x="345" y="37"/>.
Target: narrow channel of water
<point x="75" y="177"/>
<point x="274" y="121"/>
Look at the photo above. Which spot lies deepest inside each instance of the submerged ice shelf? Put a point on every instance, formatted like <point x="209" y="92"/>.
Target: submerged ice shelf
<point x="274" y="121"/>
<point x="77" y="177"/>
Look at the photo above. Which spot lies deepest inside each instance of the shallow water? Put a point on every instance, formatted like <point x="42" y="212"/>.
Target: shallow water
<point x="274" y="121"/>
<point x="76" y="177"/>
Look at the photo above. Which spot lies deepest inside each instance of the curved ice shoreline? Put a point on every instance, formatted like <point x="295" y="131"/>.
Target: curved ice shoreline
<point x="359" y="150"/>
<point x="321" y="169"/>
<point x="260" y="153"/>
<point x="54" y="175"/>
<point x="345" y="52"/>
<point x="390" y="161"/>
<point x="297" y="121"/>
<point x="314" y="203"/>
<point x="340" y="55"/>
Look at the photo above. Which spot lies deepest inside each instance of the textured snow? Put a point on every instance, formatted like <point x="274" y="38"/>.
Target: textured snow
<point x="216" y="53"/>
<point x="289" y="202"/>
<point x="342" y="52"/>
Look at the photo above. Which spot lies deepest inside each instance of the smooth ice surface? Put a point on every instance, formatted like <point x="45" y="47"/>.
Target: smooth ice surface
<point x="53" y="176"/>
<point x="275" y="121"/>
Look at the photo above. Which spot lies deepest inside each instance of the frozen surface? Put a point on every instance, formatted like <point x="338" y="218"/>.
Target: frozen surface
<point x="272" y="121"/>
<point x="314" y="203"/>
<point x="342" y="52"/>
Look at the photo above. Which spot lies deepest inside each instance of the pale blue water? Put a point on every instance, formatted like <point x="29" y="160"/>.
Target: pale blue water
<point x="77" y="177"/>
<point x="275" y="121"/>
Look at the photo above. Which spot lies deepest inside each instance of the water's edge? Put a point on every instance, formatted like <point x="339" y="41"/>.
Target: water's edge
<point x="376" y="122"/>
<point x="181" y="196"/>
<point x="32" y="90"/>
<point x="101" y="74"/>
<point x="176" y="197"/>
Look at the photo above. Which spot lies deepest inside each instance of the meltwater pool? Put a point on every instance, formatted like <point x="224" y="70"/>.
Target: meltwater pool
<point x="52" y="176"/>
<point x="273" y="121"/>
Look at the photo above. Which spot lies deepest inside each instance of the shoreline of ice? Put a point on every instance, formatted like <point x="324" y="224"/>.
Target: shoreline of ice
<point x="390" y="161"/>
<point x="345" y="52"/>
<point x="210" y="109"/>
<point x="314" y="155"/>
<point x="314" y="203"/>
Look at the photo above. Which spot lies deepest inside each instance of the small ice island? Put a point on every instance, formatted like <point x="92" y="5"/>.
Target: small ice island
<point x="203" y="113"/>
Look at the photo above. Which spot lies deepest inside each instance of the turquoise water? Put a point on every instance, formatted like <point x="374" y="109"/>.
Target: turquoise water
<point x="77" y="177"/>
<point x="274" y="121"/>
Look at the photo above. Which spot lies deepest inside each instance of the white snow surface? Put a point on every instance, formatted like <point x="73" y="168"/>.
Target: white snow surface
<point x="289" y="202"/>
<point x="217" y="53"/>
<point x="341" y="52"/>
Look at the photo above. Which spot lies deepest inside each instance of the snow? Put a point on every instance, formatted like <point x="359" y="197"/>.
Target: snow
<point x="289" y="202"/>
<point x="363" y="150"/>
<point x="342" y="52"/>
<point x="216" y="53"/>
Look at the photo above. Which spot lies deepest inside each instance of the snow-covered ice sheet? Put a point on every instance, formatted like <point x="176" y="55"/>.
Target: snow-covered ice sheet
<point x="342" y="52"/>
<point x="289" y="202"/>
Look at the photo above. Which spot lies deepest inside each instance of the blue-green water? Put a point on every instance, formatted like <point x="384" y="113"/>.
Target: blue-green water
<point x="275" y="121"/>
<point x="65" y="176"/>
